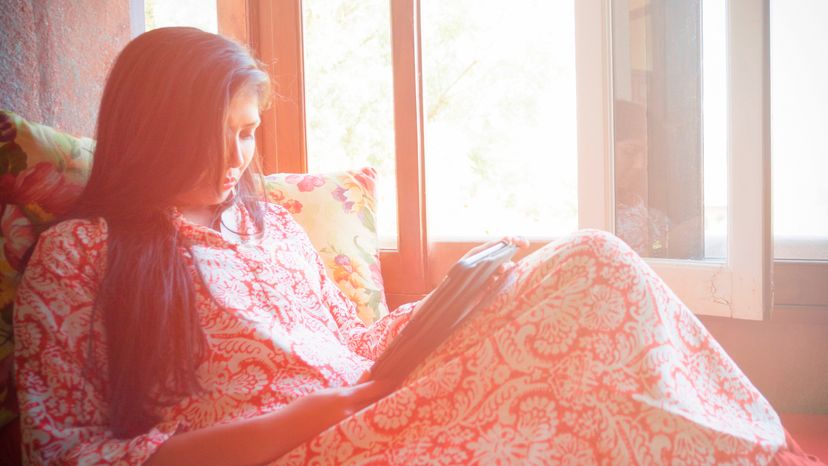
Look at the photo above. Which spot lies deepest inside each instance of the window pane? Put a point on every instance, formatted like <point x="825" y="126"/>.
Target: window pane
<point x="349" y="95"/>
<point x="670" y="149"/>
<point x="799" y="117"/>
<point x="500" y="122"/>
<point x="715" y="124"/>
<point x="197" y="13"/>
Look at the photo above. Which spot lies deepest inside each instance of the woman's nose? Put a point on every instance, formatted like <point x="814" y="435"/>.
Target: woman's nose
<point x="235" y="154"/>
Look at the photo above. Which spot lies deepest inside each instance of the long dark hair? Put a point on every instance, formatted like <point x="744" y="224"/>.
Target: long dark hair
<point x="161" y="132"/>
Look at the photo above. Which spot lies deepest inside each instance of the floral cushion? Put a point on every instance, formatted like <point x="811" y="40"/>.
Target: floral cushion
<point x="350" y="251"/>
<point x="42" y="171"/>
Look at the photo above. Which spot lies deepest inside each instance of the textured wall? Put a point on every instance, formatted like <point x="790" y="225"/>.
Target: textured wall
<point x="787" y="361"/>
<point x="54" y="56"/>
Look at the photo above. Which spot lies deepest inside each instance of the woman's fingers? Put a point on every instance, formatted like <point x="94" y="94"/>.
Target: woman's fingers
<point x="518" y="241"/>
<point x="504" y="268"/>
<point x="499" y="275"/>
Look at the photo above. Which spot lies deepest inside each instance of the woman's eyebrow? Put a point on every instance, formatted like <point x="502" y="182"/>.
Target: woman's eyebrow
<point x="250" y="124"/>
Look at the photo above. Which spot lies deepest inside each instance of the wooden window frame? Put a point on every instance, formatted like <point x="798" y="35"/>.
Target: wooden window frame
<point x="738" y="287"/>
<point x="277" y="39"/>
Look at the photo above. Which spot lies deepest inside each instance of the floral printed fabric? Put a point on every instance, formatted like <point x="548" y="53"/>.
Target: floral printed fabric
<point x="277" y="329"/>
<point x="586" y="358"/>
<point x="350" y="250"/>
<point x="42" y="171"/>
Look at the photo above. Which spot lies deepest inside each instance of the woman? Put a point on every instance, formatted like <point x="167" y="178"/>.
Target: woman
<point x="175" y="319"/>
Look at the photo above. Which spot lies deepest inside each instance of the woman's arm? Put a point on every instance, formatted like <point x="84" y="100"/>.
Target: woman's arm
<point x="367" y="341"/>
<point x="269" y="436"/>
<point x="371" y="341"/>
<point x="63" y="408"/>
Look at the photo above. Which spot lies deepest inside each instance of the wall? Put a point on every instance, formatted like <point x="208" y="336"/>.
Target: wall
<point x="54" y="57"/>
<point x="785" y="357"/>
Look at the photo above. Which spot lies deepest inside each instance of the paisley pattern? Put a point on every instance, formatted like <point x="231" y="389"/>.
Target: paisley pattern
<point x="338" y="212"/>
<point x="585" y="358"/>
<point x="43" y="170"/>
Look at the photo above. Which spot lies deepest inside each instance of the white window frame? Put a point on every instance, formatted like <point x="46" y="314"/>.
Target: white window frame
<point x="739" y="286"/>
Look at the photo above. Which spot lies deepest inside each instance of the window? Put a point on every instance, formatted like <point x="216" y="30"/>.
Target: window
<point x="660" y="125"/>
<point x="499" y="114"/>
<point x="350" y="122"/>
<point x="799" y="114"/>
<point x="799" y="99"/>
<point x="666" y="77"/>
<point x="196" y="13"/>
<point x="669" y="145"/>
<point x="669" y="127"/>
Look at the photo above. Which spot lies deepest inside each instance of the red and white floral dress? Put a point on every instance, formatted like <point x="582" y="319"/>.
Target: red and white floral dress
<point x="586" y="358"/>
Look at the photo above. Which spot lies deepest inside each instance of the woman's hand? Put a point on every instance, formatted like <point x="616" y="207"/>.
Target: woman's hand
<point x="264" y="438"/>
<point x="335" y="404"/>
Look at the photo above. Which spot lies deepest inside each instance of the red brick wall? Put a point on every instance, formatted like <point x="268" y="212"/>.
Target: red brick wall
<point x="54" y="57"/>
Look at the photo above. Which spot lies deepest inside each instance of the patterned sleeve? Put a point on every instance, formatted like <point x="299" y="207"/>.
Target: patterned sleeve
<point x="370" y="341"/>
<point x="63" y="411"/>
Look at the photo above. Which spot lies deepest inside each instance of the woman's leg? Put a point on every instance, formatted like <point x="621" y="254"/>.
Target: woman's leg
<point x="586" y="357"/>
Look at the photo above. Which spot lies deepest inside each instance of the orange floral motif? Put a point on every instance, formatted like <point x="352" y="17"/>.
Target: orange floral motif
<point x="277" y="196"/>
<point x="343" y="272"/>
<point x="366" y="178"/>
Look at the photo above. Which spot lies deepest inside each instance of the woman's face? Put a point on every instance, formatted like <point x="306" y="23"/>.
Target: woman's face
<point x="242" y="121"/>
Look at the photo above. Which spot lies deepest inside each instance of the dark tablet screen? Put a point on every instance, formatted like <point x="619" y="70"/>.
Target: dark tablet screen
<point x="457" y="296"/>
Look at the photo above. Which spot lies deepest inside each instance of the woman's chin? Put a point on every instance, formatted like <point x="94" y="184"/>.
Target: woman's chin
<point x="226" y="194"/>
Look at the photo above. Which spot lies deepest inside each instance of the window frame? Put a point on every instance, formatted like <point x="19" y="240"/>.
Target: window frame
<point x="278" y="44"/>
<point x="739" y="287"/>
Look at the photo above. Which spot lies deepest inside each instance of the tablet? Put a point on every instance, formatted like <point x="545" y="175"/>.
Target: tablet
<point x="461" y="292"/>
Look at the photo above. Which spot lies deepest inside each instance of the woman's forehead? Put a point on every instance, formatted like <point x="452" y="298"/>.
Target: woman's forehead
<point x="243" y="110"/>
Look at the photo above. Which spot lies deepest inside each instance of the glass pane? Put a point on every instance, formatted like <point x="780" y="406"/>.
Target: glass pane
<point x="669" y="117"/>
<point x="197" y="13"/>
<point x="500" y="121"/>
<point x="715" y="124"/>
<point x="799" y="117"/>
<point x="349" y="96"/>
